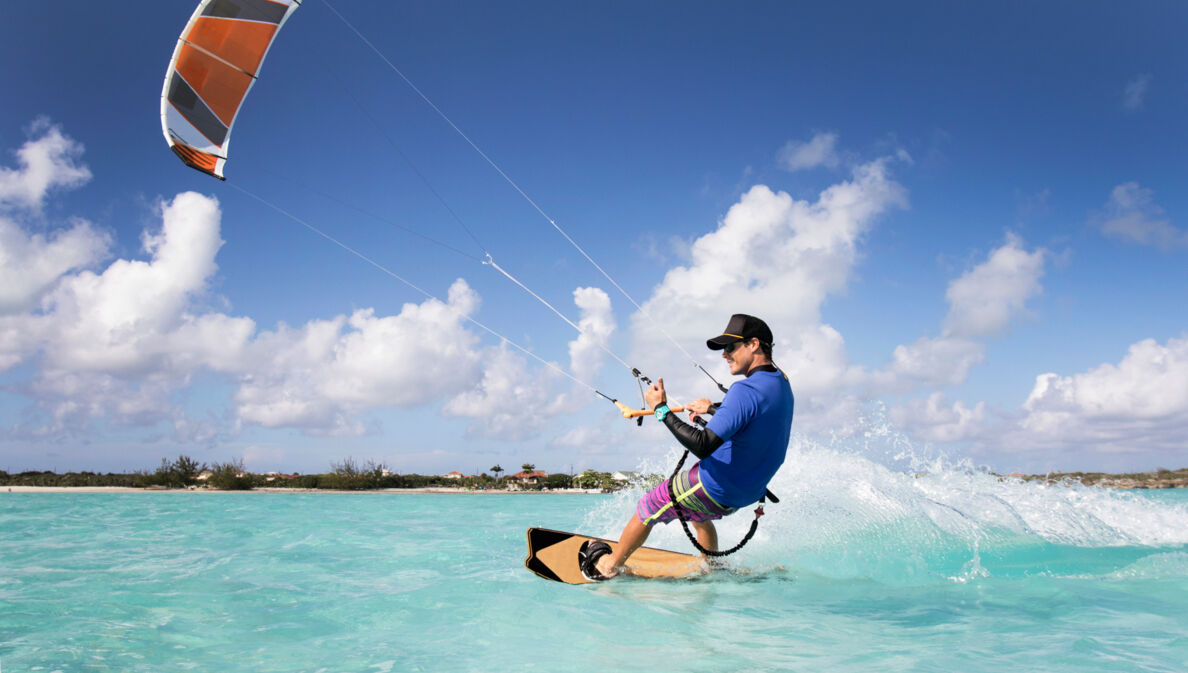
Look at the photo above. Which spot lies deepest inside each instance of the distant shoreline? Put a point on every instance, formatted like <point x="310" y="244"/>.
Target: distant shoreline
<point x="1124" y="482"/>
<point x="1161" y="479"/>
<point x="269" y="489"/>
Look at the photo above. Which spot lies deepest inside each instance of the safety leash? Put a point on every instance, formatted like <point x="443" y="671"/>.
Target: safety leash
<point x="768" y="495"/>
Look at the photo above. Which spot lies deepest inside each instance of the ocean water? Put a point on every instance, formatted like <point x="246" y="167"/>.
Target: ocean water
<point x="861" y="567"/>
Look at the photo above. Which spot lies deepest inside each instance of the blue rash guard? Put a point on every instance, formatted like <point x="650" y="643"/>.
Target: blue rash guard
<point x="755" y="423"/>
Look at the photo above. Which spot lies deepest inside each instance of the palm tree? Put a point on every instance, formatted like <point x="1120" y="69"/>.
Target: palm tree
<point x="496" y="469"/>
<point x="528" y="467"/>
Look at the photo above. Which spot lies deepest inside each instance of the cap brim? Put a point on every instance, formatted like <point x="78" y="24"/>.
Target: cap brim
<point x="719" y="342"/>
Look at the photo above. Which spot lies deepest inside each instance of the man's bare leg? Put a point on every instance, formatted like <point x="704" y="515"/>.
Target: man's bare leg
<point x="707" y="535"/>
<point x="632" y="538"/>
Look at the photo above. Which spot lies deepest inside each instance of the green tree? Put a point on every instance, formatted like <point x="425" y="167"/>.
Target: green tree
<point x="558" y="481"/>
<point x="230" y="476"/>
<point x="497" y="469"/>
<point x="180" y="473"/>
<point x="528" y="467"/>
<point x="351" y="475"/>
<point x="187" y="470"/>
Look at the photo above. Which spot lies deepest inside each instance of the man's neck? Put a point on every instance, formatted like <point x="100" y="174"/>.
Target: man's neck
<point x="763" y="365"/>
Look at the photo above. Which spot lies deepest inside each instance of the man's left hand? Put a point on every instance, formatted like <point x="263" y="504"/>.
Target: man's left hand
<point x="655" y="396"/>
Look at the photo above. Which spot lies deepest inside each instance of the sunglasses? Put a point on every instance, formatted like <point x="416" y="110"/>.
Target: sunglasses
<point x="730" y="348"/>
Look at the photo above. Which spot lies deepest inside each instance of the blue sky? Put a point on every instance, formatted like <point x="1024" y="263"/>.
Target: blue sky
<point x="965" y="224"/>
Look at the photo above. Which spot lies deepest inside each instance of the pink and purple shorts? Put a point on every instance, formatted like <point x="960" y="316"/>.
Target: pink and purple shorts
<point x="696" y="505"/>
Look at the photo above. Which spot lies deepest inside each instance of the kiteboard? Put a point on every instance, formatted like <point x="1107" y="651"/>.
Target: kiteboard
<point x="555" y="555"/>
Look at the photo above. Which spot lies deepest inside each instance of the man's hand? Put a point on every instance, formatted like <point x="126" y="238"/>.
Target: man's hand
<point x="697" y="407"/>
<point x="655" y="396"/>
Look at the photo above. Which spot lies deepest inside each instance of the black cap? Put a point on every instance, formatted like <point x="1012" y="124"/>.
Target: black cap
<point x="740" y="328"/>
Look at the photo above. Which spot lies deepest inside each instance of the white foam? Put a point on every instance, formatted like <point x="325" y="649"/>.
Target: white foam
<point x="875" y="507"/>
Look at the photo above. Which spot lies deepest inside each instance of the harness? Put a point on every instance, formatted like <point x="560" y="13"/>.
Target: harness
<point x="767" y="495"/>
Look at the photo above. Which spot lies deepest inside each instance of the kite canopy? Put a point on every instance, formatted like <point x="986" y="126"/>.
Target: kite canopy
<point x="217" y="59"/>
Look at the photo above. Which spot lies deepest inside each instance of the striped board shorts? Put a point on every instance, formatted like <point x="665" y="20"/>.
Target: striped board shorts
<point x="695" y="503"/>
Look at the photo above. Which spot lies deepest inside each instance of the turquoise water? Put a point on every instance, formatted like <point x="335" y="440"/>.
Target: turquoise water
<point x="874" y="571"/>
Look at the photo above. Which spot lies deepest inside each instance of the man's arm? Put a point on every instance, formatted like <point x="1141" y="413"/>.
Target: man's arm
<point x="701" y="442"/>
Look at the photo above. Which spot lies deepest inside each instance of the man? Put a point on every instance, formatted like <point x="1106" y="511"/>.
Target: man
<point x="740" y="448"/>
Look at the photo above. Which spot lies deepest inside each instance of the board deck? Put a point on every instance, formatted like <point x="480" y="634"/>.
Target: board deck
<point x="553" y="555"/>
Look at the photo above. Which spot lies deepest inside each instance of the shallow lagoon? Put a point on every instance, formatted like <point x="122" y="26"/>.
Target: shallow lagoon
<point x="875" y="571"/>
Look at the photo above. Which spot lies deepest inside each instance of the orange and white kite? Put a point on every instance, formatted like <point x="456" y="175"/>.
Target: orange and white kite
<point x="217" y="59"/>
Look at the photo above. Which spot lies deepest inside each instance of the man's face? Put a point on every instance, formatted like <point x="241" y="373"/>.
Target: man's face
<point x="740" y="355"/>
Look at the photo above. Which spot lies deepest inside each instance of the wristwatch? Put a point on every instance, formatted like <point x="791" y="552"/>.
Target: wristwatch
<point x="662" y="411"/>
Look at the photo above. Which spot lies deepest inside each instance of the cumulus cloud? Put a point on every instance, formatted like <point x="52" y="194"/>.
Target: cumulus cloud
<point x="117" y="343"/>
<point x="47" y="161"/>
<point x="123" y="319"/>
<point x="944" y="361"/>
<point x="984" y="300"/>
<point x="776" y="257"/>
<point x="32" y="263"/>
<point x="120" y="342"/>
<point x="936" y="420"/>
<point x="820" y="150"/>
<point x="597" y="324"/>
<point x="982" y="303"/>
<point x="321" y="376"/>
<point x="1141" y="401"/>
<point x="586" y="439"/>
<point x="1135" y="92"/>
<point x="511" y="401"/>
<point x="1132" y="215"/>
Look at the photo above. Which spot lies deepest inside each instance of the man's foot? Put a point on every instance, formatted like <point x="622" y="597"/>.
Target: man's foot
<point x="606" y="567"/>
<point x="592" y="557"/>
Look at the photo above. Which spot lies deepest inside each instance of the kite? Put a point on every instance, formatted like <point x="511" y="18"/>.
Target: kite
<point x="217" y="59"/>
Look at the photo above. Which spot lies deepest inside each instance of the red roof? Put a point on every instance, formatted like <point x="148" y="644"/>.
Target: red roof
<point x="537" y="474"/>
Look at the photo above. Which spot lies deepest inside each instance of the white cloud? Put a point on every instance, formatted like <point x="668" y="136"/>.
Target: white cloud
<point x="772" y="256"/>
<point x="1131" y="214"/>
<point x="597" y="324"/>
<point x="935" y="420"/>
<point x="944" y="361"/>
<point x="46" y="162"/>
<point x="322" y="376"/>
<point x="510" y="402"/>
<point x="118" y="343"/>
<point x="1135" y="92"/>
<point x="586" y="439"/>
<point x="122" y="320"/>
<point x="31" y="264"/>
<point x="984" y="300"/>
<point x="1140" y="402"/>
<point x="821" y="150"/>
<point x="778" y="258"/>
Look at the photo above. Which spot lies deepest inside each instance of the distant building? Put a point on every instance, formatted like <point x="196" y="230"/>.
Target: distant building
<point x="528" y="478"/>
<point x="624" y="477"/>
<point x="453" y="475"/>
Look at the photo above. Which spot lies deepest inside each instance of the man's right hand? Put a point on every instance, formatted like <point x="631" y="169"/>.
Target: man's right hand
<point x="697" y="407"/>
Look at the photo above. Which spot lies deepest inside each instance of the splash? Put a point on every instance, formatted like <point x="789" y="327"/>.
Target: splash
<point x="878" y="509"/>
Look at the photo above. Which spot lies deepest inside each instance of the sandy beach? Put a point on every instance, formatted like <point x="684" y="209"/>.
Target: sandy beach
<point x="127" y="489"/>
<point x="69" y="489"/>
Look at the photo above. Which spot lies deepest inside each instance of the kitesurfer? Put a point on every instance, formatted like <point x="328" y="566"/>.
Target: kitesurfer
<point x="740" y="448"/>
